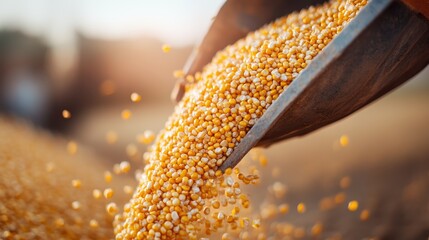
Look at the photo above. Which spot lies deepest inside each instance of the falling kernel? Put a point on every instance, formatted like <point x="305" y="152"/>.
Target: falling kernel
<point x="93" y="223"/>
<point x="76" y="205"/>
<point x="146" y="138"/>
<point x="364" y="215"/>
<point x="166" y="48"/>
<point x="111" y="208"/>
<point x="256" y="223"/>
<point x="135" y="97"/>
<point x="344" y="140"/>
<point x="353" y="205"/>
<point x="317" y="229"/>
<point x="6" y="234"/>
<point x="66" y="114"/>
<point x="72" y="147"/>
<point x="96" y="193"/>
<point x="279" y="189"/>
<point x="108" y="193"/>
<point x="126" y="114"/>
<point x="76" y="183"/>
<point x="117" y="169"/>
<point x="107" y="176"/>
<point x="284" y="208"/>
<point x="263" y="160"/>
<point x="179" y="74"/>
<point x="301" y="208"/>
<point x="340" y="198"/>
<point x="124" y="166"/>
<point x="226" y="236"/>
<point x="59" y="222"/>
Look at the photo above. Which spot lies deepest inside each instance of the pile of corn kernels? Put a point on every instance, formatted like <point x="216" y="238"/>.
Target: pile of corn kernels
<point x="182" y="194"/>
<point x="40" y="194"/>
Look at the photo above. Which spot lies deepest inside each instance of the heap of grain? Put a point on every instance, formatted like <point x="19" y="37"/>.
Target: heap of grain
<point x="44" y="191"/>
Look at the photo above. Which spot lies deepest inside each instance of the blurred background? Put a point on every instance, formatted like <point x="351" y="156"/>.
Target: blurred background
<point x="88" y="56"/>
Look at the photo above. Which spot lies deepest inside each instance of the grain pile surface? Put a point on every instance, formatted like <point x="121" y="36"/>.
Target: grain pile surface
<point x="182" y="194"/>
<point x="44" y="191"/>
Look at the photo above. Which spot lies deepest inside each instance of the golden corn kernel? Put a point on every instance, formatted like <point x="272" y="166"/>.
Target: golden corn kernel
<point x="166" y="48"/>
<point x="179" y="74"/>
<point x="146" y="138"/>
<point x="6" y="234"/>
<point x="59" y="222"/>
<point x="364" y="215"/>
<point x="344" y="140"/>
<point x="111" y="208"/>
<point x="126" y="114"/>
<point x="226" y="236"/>
<point x="353" y="205"/>
<point x="256" y="223"/>
<point x="124" y="167"/>
<point x="66" y="114"/>
<point x="135" y="97"/>
<point x="263" y="161"/>
<point x="107" y="176"/>
<point x="96" y="194"/>
<point x="76" y="183"/>
<point x="72" y="147"/>
<point x="317" y="229"/>
<point x="284" y="208"/>
<point x="108" y="193"/>
<point x="76" y="205"/>
<point x="93" y="223"/>
<point x="301" y="208"/>
<point x="340" y="198"/>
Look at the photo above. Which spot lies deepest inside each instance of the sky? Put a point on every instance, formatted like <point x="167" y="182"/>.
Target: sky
<point x="177" y="22"/>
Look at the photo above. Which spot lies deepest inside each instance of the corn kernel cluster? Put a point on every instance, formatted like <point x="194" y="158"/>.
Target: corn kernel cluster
<point x="181" y="191"/>
<point x="40" y="198"/>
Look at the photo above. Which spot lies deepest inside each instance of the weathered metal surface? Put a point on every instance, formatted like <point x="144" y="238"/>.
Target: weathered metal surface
<point x="384" y="46"/>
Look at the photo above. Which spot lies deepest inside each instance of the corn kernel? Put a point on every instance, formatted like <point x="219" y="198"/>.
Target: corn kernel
<point x="72" y="147"/>
<point x="126" y="114"/>
<point x="344" y="140"/>
<point x="66" y="114"/>
<point x="353" y="205"/>
<point x="166" y="48"/>
<point x="301" y="208"/>
<point x="108" y="193"/>
<point x="76" y="183"/>
<point x="135" y="97"/>
<point x="364" y="215"/>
